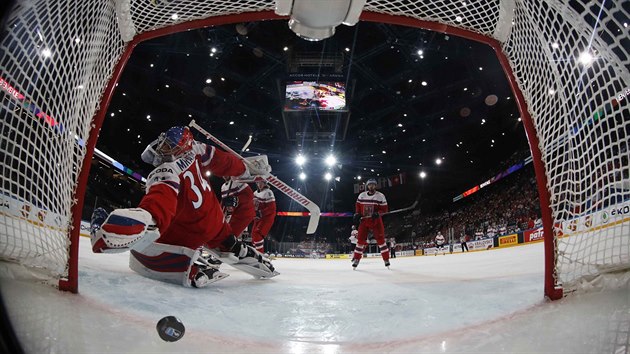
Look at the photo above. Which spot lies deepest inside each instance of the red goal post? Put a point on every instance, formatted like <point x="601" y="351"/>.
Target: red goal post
<point x="64" y="58"/>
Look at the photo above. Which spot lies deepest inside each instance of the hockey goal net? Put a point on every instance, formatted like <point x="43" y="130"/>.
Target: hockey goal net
<point x="568" y="63"/>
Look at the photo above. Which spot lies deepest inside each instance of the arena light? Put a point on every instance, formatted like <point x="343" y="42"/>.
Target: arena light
<point x="302" y="176"/>
<point x="300" y="160"/>
<point x="438" y="161"/>
<point x="327" y="176"/>
<point x="585" y="58"/>
<point x="423" y="174"/>
<point x="330" y="160"/>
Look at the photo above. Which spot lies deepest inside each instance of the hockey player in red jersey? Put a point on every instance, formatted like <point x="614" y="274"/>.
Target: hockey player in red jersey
<point x="370" y="205"/>
<point x="178" y="215"/>
<point x="237" y="199"/>
<point x="265" y="203"/>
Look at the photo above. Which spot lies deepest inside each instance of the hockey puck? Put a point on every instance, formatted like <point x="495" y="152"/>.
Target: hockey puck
<point x="170" y="329"/>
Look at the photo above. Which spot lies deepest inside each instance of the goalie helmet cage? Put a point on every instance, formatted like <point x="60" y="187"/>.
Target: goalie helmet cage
<point x="60" y="61"/>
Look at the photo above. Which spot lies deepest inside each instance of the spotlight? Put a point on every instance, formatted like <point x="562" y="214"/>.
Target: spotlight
<point x="585" y="58"/>
<point x="423" y="174"/>
<point x="330" y="160"/>
<point x="328" y="176"/>
<point x="300" y="160"/>
<point x="302" y="176"/>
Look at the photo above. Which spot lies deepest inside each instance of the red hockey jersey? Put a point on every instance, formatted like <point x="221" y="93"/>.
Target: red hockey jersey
<point x="243" y="193"/>
<point x="367" y="204"/>
<point x="181" y="201"/>
<point x="265" y="202"/>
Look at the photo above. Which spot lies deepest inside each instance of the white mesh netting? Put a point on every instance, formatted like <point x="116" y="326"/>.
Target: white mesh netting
<point x="59" y="54"/>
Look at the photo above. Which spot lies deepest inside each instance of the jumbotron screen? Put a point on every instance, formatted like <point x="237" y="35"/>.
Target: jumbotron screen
<point x="312" y="95"/>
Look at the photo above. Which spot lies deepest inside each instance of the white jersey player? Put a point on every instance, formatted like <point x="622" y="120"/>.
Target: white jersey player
<point x="439" y="243"/>
<point x="265" y="205"/>
<point x="492" y="231"/>
<point x="354" y="237"/>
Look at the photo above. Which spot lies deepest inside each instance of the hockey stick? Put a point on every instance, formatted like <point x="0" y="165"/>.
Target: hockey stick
<point x="249" y="141"/>
<point x="274" y="181"/>
<point x="229" y="194"/>
<point x="412" y="206"/>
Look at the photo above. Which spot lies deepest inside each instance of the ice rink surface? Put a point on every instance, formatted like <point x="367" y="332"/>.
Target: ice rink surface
<point x="488" y="301"/>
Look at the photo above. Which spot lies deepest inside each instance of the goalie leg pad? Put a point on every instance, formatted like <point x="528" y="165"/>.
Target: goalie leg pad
<point x="174" y="264"/>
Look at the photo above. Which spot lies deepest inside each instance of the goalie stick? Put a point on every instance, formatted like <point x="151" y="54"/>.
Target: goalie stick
<point x="274" y="181"/>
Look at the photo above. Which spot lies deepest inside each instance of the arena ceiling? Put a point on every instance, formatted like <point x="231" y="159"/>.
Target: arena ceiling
<point x="413" y="96"/>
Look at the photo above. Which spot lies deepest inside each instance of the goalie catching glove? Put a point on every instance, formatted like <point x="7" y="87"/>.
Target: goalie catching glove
<point x="122" y="230"/>
<point x="257" y="168"/>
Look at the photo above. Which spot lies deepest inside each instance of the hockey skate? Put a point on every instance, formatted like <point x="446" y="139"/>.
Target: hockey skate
<point x="207" y="275"/>
<point x="251" y="262"/>
<point x="387" y="264"/>
<point x="355" y="263"/>
<point x="210" y="259"/>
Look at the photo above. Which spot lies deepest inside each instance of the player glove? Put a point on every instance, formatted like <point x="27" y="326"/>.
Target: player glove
<point x="375" y="215"/>
<point x="356" y="218"/>
<point x="229" y="202"/>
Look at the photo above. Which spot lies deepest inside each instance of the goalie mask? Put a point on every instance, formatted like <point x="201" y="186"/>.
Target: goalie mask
<point x="174" y="143"/>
